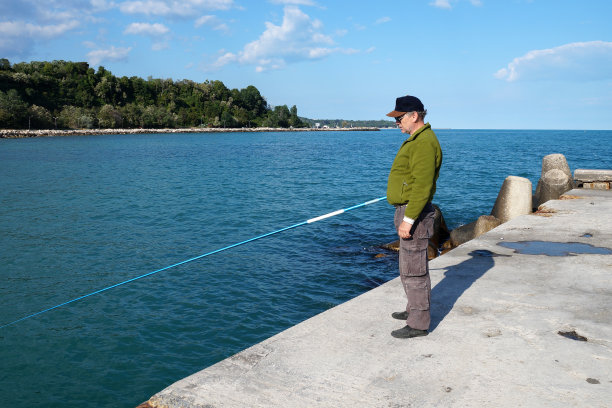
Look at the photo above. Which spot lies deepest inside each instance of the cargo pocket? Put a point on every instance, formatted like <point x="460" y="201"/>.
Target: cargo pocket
<point x="417" y="290"/>
<point x="413" y="257"/>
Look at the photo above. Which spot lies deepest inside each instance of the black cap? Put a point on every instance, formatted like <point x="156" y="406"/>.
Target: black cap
<point x="405" y="104"/>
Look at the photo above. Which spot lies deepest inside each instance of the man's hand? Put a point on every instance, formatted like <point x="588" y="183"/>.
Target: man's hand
<point x="404" y="230"/>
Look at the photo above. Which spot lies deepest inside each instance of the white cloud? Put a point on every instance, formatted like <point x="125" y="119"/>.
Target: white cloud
<point x="19" y="28"/>
<point x="52" y="12"/>
<point x="223" y="60"/>
<point x="383" y="20"/>
<point x="445" y="4"/>
<point x="102" y="5"/>
<point x="27" y="23"/>
<point x="19" y="37"/>
<point x="183" y="8"/>
<point x="204" y="20"/>
<point x="575" y="61"/>
<point x="349" y="51"/>
<point x="212" y="21"/>
<point x="158" y="46"/>
<point x="153" y="30"/>
<point x="294" y="2"/>
<point x="111" y="54"/>
<point x="298" y="38"/>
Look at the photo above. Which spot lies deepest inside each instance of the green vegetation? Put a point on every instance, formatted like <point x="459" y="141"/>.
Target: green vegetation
<point x="71" y="95"/>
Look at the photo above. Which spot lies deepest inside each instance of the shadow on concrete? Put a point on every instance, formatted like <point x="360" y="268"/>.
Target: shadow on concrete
<point x="457" y="279"/>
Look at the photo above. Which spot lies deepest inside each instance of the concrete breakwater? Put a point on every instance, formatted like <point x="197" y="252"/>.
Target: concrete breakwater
<point x="521" y="316"/>
<point x="19" y="133"/>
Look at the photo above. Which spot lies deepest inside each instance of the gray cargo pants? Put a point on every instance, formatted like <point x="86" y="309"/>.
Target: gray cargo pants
<point x="414" y="268"/>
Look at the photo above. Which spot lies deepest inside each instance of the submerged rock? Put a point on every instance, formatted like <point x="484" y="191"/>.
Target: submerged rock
<point x="440" y="235"/>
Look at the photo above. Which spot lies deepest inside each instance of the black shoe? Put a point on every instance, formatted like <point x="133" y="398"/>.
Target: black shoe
<point x="408" y="332"/>
<point x="400" y="315"/>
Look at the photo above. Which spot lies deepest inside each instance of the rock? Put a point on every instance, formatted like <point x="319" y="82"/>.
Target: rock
<point x="391" y="246"/>
<point x="18" y="133"/>
<point x="432" y="251"/>
<point x="440" y="235"/>
<point x="465" y="233"/>
<point x="514" y="199"/>
<point x="556" y="179"/>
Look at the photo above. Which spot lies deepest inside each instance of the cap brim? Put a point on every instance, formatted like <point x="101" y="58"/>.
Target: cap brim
<point x="395" y="114"/>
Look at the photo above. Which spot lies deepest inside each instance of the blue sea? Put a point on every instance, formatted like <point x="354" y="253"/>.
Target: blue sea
<point x="78" y="214"/>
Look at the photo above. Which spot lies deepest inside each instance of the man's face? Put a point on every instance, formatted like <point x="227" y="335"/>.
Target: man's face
<point x="406" y="122"/>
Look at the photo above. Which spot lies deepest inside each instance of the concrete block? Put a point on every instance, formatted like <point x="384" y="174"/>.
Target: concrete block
<point x="465" y="233"/>
<point x="555" y="161"/>
<point x="514" y="199"/>
<point x="591" y="175"/>
<point x="552" y="185"/>
<point x="598" y="185"/>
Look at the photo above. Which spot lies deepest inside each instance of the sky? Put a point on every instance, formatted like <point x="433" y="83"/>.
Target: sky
<point x="475" y="64"/>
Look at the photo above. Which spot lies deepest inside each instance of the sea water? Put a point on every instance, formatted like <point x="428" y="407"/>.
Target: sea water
<point x="78" y="214"/>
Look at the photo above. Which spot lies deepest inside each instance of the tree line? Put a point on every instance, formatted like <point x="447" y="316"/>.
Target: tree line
<point x="72" y="95"/>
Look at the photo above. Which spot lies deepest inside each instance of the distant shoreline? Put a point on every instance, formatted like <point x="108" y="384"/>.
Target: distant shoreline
<point x="20" y="133"/>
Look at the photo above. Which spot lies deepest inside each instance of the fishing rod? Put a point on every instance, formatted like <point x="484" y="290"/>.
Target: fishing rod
<point x="309" y="221"/>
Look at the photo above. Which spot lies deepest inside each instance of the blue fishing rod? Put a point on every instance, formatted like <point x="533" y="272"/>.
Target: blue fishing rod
<point x="309" y="221"/>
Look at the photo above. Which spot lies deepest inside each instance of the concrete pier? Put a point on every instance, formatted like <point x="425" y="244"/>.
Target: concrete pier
<point x="521" y="316"/>
<point x="597" y="179"/>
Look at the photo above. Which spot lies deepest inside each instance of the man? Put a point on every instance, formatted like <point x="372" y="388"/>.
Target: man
<point x="410" y="188"/>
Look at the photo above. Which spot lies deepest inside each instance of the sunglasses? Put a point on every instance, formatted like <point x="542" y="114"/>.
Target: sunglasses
<point x="399" y="118"/>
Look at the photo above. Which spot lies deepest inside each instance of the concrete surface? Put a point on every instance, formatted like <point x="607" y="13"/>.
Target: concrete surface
<point x="494" y="341"/>
<point x="596" y="179"/>
<point x="592" y="175"/>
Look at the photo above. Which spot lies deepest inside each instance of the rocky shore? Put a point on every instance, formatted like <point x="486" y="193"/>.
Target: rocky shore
<point x="14" y="133"/>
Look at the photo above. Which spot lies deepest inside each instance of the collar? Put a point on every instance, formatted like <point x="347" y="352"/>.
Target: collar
<point x="419" y="131"/>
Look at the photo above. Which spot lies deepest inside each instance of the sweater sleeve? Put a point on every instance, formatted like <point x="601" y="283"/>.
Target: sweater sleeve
<point x="423" y="166"/>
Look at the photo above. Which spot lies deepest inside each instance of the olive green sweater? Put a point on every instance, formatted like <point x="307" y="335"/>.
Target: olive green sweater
<point x="413" y="175"/>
